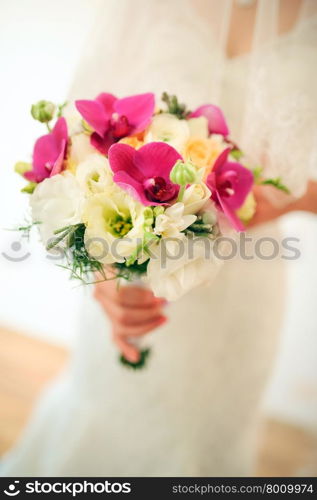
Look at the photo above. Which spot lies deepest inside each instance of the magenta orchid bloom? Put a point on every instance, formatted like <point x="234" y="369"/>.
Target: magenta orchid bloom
<point x="144" y="173"/>
<point x="216" y="120"/>
<point x="49" y="153"/>
<point x="230" y="183"/>
<point x="112" y="118"/>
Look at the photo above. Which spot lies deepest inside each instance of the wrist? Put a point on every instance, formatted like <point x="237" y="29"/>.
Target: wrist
<point x="308" y="202"/>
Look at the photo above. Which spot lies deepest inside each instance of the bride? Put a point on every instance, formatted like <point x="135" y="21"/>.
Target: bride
<point x="194" y="411"/>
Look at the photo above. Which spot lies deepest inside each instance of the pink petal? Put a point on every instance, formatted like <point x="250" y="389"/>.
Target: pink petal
<point x="231" y="215"/>
<point x="94" y="114"/>
<point x="37" y="176"/>
<point x="60" y="131"/>
<point x="58" y="165"/>
<point x="156" y="159"/>
<point x="122" y="159"/>
<point x="49" y="152"/>
<point x="221" y="159"/>
<point x="132" y="186"/>
<point x="216" y="120"/>
<point x="108" y="101"/>
<point x="45" y="152"/>
<point x="243" y="184"/>
<point x="138" y="109"/>
<point x="102" y="144"/>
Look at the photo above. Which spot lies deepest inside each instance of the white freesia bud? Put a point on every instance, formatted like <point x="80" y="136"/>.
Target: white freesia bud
<point x="173" y="221"/>
<point x="195" y="197"/>
<point x="168" y="128"/>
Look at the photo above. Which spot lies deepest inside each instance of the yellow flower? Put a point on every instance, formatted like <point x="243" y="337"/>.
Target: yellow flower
<point x="132" y="141"/>
<point x="202" y="152"/>
<point x="247" y="211"/>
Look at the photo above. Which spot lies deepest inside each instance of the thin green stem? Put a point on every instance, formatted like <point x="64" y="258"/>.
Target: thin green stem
<point x="181" y="193"/>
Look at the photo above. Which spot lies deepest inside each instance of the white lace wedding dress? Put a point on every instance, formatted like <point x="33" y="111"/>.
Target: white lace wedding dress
<point x="195" y="409"/>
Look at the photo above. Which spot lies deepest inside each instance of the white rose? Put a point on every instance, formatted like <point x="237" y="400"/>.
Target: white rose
<point x="198" y="127"/>
<point x="73" y="119"/>
<point x="195" y="197"/>
<point x="173" y="221"/>
<point x="94" y="174"/>
<point x="80" y="150"/>
<point x="168" y="128"/>
<point x="114" y="225"/>
<point x="56" y="203"/>
<point x="187" y="264"/>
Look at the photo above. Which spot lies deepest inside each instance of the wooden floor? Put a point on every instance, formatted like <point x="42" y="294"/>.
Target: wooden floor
<point x="26" y="365"/>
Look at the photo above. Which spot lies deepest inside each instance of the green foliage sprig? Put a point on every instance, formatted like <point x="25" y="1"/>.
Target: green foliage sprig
<point x="174" y="107"/>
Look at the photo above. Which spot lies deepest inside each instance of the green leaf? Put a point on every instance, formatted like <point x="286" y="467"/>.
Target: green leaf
<point x="277" y="183"/>
<point x="139" y="364"/>
<point x="236" y="154"/>
<point x="257" y="173"/>
<point x="29" y="188"/>
<point x="174" y="107"/>
<point x="60" y="238"/>
<point x="60" y="108"/>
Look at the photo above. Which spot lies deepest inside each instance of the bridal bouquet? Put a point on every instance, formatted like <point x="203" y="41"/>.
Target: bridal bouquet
<point x="128" y="188"/>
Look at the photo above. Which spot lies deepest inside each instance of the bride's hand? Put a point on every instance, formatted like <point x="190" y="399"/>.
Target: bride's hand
<point x="133" y="312"/>
<point x="266" y="211"/>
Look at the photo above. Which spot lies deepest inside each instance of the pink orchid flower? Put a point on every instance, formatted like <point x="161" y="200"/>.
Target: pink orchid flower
<point x="216" y="120"/>
<point x="112" y="118"/>
<point x="229" y="183"/>
<point x="49" y="153"/>
<point x="145" y="172"/>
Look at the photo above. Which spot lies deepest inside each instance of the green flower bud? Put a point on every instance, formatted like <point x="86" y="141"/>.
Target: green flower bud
<point x="158" y="210"/>
<point x="21" y="167"/>
<point x="43" y="111"/>
<point x="183" y="173"/>
<point x="148" y="216"/>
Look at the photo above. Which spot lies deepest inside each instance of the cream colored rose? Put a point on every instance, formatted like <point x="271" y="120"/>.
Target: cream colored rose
<point x="168" y="128"/>
<point x="203" y="152"/>
<point x="198" y="127"/>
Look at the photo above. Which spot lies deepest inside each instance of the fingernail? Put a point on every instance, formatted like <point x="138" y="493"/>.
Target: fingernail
<point x="134" y="358"/>
<point x="163" y="320"/>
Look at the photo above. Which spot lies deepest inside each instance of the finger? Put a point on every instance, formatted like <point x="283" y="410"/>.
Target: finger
<point x="136" y="316"/>
<point x="129" y="351"/>
<point x="135" y="296"/>
<point x="126" y="316"/>
<point x="139" y="330"/>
